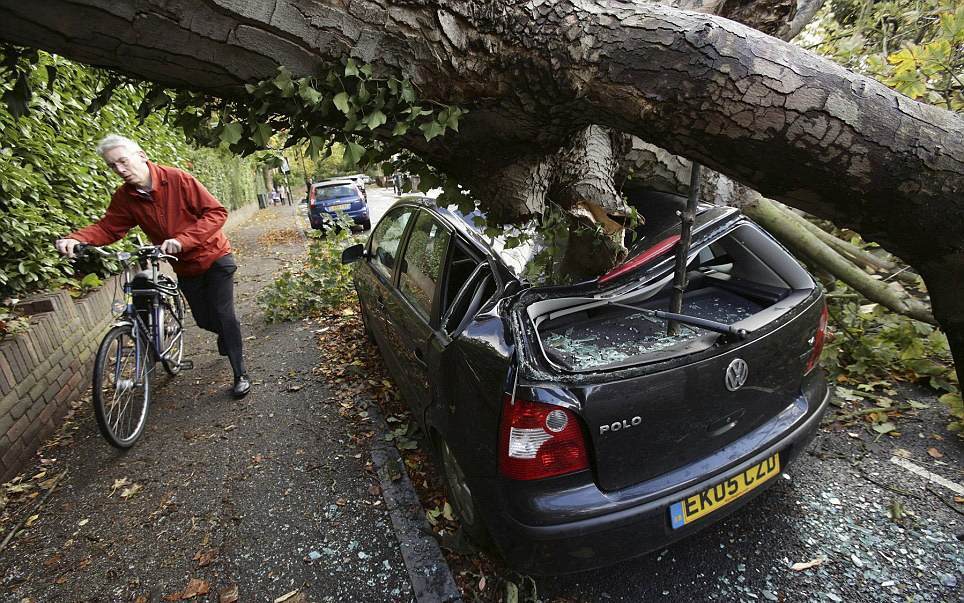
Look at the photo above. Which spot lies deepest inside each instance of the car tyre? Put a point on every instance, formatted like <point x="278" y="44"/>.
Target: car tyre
<point x="367" y="225"/>
<point x="460" y="496"/>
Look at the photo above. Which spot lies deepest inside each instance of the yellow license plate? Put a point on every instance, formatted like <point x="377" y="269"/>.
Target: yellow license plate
<point x="339" y="206"/>
<point x="703" y="503"/>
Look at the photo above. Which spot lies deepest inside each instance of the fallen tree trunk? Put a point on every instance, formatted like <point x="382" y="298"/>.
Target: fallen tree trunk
<point x="798" y="128"/>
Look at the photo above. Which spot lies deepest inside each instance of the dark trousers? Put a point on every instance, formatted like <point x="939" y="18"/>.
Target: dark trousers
<point x="211" y="297"/>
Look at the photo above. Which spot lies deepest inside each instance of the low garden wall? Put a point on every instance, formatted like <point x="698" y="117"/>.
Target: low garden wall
<point x="45" y="368"/>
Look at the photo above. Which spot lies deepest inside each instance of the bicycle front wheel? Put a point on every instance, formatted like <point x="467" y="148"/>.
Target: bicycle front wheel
<point x="122" y="386"/>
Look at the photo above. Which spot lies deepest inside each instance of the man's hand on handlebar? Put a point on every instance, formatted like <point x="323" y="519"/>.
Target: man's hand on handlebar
<point x="171" y="246"/>
<point x="66" y="246"/>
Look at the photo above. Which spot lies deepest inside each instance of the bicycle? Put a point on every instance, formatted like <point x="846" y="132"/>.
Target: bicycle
<point x="150" y="329"/>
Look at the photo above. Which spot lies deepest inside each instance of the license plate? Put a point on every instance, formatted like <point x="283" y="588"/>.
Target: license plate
<point x="703" y="503"/>
<point x="339" y="206"/>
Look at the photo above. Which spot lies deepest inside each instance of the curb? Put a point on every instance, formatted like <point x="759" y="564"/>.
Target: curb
<point x="431" y="578"/>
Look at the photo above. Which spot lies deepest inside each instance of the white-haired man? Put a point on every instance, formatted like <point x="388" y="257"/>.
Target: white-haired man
<point x="179" y="214"/>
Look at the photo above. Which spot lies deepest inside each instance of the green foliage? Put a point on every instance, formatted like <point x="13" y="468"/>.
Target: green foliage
<point x="52" y="181"/>
<point x="321" y="284"/>
<point x="913" y="46"/>
<point x="871" y="344"/>
<point x="346" y="104"/>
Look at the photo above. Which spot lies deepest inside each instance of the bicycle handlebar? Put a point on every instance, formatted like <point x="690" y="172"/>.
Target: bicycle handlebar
<point x="146" y="250"/>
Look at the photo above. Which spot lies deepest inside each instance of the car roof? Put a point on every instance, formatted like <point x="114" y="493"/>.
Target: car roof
<point x="466" y="224"/>
<point x="332" y="182"/>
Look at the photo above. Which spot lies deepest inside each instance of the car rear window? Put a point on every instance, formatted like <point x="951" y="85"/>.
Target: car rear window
<point x="334" y="192"/>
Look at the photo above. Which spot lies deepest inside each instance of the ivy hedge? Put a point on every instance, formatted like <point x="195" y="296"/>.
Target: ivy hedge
<point x="52" y="181"/>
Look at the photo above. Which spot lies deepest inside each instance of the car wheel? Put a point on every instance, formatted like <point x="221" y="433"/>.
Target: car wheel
<point x="461" y="497"/>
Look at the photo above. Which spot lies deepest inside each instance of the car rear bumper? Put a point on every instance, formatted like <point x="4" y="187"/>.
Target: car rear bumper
<point x="358" y="216"/>
<point x="627" y="523"/>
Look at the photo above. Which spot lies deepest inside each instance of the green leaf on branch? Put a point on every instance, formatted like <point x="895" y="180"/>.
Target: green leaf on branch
<point x="431" y="129"/>
<point x="308" y="93"/>
<point x="91" y="281"/>
<point x="408" y="94"/>
<point x="231" y="133"/>
<point x="375" y="119"/>
<point x="283" y="82"/>
<point x="341" y="102"/>
<point x="353" y="153"/>
<point x="262" y="135"/>
<point x="351" y="68"/>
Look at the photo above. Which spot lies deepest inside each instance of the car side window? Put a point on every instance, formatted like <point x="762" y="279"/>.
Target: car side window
<point x="468" y="285"/>
<point x="385" y="240"/>
<point x="423" y="260"/>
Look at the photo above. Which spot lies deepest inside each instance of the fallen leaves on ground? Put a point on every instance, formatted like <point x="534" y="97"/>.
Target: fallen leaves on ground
<point x="204" y="558"/>
<point x="119" y="484"/>
<point x="935" y="453"/>
<point x="229" y="594"/>
<point x="805" y="565"/>
<point x="295" y="596"/>
<point x="195" y="588"/>
<point x="281" y="236"/>
<point x="131" y="491"/>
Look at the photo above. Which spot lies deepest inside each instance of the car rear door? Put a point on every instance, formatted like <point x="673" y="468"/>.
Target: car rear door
<point x="413" y="304"/>
<point x="375" y="278"/>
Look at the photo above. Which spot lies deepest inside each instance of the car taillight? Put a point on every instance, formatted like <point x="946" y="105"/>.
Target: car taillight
<point x="539" y="440"/>
<point x="656" y="250"/>
<point x="818" y="340"/>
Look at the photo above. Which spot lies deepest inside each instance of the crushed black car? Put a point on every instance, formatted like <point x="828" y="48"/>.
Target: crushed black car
<point x="572" y="430"/>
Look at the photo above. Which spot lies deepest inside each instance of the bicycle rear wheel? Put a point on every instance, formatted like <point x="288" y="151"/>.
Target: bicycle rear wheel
<point x="122" y="386"/>
<point x="172" y="334"/>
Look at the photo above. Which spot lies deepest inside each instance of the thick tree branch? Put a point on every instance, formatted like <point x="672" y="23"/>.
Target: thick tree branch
<point x="806" y="244"/>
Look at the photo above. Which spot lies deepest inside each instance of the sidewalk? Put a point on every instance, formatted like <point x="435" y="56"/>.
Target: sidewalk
<point x="275" y="495"/>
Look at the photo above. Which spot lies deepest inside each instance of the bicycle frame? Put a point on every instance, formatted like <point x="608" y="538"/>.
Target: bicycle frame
<point x="156" y="297"/>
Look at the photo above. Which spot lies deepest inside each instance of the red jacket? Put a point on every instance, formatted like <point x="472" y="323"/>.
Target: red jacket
<point x="179" y="208"/>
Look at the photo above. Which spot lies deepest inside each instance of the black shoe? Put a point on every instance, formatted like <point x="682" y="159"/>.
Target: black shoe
<point x="242" y="385"/>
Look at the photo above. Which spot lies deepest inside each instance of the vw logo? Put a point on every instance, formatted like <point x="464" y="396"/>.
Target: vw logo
<point x="736" y="374"/>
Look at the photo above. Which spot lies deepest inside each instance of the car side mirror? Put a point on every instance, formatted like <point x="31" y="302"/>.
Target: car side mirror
<point x="353" y="254"/>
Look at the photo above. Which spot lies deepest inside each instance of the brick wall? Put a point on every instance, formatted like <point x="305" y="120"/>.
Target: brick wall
<point x="45" y="368"/>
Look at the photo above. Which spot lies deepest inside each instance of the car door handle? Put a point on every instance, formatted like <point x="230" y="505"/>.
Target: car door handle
<point x="420" y="357"/>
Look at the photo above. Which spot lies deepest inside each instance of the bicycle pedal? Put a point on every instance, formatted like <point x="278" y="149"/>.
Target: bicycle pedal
<point x="186" y="365"/>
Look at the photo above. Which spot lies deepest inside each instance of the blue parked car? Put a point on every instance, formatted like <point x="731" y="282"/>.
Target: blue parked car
<point x="333" y="197"/>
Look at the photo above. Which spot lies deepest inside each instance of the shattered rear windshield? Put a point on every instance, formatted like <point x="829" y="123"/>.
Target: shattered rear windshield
<point x="610" y="339"/>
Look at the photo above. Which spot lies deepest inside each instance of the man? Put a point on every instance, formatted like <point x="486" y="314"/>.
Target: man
<point x="179" y="214"/>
